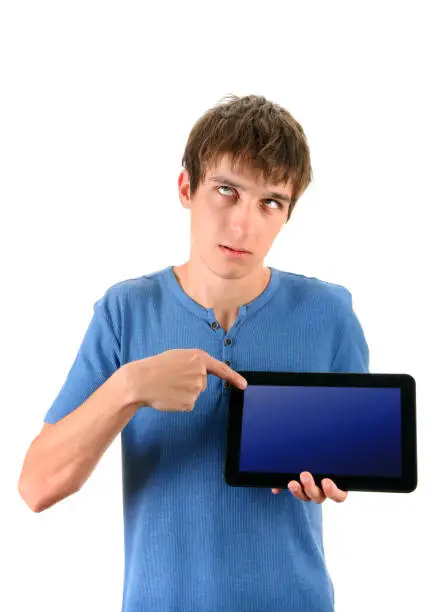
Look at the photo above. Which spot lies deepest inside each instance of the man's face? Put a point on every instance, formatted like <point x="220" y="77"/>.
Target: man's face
<point x="236" y="210"/>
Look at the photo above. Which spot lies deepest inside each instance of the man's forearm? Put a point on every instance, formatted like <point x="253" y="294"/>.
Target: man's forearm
<point x="61" y="458"/>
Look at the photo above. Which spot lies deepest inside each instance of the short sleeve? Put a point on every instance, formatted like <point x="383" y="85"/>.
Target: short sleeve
<point x="352" y="352"/>
<point x="97" y="359"/>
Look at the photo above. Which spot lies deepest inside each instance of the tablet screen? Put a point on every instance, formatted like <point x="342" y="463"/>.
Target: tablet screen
<point x="338" y="430"/>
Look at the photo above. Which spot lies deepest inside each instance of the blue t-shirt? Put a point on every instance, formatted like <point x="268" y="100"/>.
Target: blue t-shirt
<point x="193" y="543"/>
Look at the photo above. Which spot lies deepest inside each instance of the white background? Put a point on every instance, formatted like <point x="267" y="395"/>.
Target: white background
<point x="97" y="100"/>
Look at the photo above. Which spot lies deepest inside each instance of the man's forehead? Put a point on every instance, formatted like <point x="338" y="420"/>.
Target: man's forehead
<point x="236" y="170"/>
<point x="225" y="163"/>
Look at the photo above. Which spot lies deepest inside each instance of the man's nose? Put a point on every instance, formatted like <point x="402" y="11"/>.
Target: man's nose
<point x="243" y="217"/>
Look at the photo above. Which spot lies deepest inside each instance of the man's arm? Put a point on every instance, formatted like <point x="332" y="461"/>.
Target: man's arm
<point x="352" y="352"/>
<point x="63" y="456"/>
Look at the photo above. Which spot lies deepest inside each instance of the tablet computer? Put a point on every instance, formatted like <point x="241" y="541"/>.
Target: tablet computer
<point x="357" y="429"/>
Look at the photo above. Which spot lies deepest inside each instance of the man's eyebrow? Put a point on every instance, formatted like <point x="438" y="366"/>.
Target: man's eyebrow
<point x="272" y="194"/>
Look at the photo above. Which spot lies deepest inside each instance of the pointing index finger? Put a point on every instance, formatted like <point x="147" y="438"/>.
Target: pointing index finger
<point x="222" y="370"/>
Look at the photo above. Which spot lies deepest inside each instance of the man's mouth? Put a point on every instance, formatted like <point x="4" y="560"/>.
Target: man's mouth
<point x="229" y="248"/>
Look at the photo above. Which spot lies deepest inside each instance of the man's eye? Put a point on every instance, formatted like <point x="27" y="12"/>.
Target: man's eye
<point x="279" y="205"/>
<point x="224" y="187"/>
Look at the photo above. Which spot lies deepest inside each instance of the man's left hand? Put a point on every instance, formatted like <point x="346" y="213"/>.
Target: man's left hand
<point x="306" y="489"/>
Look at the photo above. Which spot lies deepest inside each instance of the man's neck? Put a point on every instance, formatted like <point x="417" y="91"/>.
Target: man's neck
<point x="224" y="295"/>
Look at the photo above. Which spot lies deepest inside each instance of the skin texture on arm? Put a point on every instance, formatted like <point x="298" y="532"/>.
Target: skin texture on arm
<point x="64" y="454"/>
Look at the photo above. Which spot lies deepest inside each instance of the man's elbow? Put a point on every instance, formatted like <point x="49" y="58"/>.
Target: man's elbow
<point x="38" y="500"/>
<point x="33" y="502"/>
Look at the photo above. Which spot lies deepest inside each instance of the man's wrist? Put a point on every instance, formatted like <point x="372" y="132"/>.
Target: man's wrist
<point x="125" y="381"/>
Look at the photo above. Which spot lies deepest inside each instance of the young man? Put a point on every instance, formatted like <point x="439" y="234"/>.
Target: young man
<point x="157" y="362"/>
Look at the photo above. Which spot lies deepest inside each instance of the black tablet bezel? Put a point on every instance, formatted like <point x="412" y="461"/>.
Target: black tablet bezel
<point x="406" y="484"/>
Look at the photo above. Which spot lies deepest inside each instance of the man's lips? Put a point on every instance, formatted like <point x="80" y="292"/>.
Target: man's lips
<point x="236" y="250"/>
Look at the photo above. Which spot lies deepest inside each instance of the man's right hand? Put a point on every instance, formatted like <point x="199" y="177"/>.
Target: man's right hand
<point x="172" y="381"/>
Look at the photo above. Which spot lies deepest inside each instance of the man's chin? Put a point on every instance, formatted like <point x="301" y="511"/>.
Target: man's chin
<point x="230" y="270"/>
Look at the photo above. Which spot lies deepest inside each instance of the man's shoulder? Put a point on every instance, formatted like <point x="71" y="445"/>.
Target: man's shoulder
<point x="118" y="295"/>
<point x="300" y="288"/>
<point x="145" y="282"/>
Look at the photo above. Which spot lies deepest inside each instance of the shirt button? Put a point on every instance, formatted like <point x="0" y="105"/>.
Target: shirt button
<point x="227" y="362"/>
<point x="215" y="325"/>
<point x="228" y="341"/>
<point x="226" y="384"/>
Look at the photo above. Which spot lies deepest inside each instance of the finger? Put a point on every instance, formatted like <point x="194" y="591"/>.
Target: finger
<point x="221" y="369"/>
<point x="297" y="490"/>
<point x="275" y="491"/>
<point x="204" y="382"/>
<point x="311" y="489"/>
<point x="333" y="492"/>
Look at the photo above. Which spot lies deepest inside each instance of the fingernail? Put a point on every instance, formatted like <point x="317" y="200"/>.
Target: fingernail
<point x="305" y="478"/>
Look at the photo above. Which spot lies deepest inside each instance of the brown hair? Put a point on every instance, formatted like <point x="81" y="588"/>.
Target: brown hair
<point x="256" y="133"/>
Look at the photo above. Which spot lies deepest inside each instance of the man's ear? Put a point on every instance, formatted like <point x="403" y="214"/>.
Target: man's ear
<point x="183" y="183"/>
